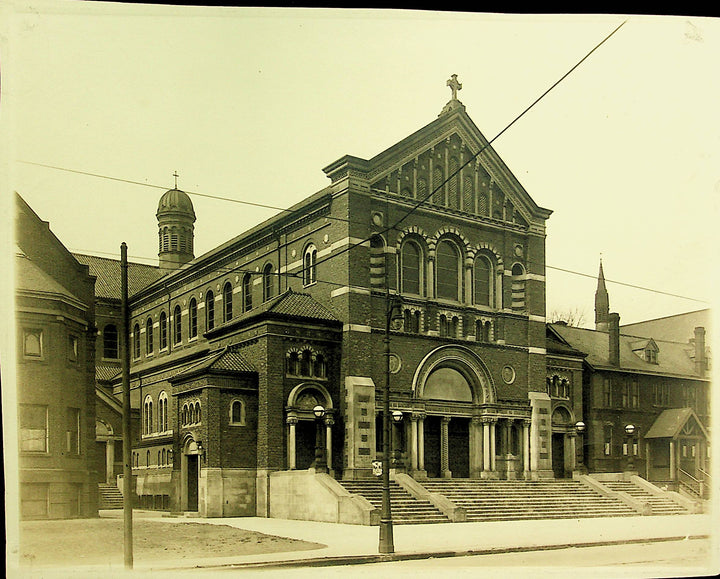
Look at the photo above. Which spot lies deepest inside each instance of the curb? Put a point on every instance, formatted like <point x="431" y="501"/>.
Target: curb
<point x="385" y="558"/>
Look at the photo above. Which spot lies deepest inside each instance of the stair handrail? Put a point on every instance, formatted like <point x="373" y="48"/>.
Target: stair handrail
<point x="686" y="480"/>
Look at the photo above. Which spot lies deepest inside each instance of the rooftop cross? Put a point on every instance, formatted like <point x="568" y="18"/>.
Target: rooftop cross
<point x="175" y="174"/>
<point x="454" y="86"/>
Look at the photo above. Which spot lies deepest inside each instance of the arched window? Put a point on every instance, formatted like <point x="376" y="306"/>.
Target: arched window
<point x="267" y="282"/>
<point x="210" y="310"/>
<point x="319" y="367"/>
<point x="483" y="281"/>
<point x="411" y="268"/>
<point x="163" y="331"/>
<point x="227" y="302"/>
<point x="148" y="414"/>
<point x="237" y="413"/>
<point x="163" y="412"/>
<point x="149" y="336"/>
<point x="293" y="364"/>
<point x="453" y="185"/>
<point x="136" y="341"/>
<point x="454" y="327"/>
<point x="437" y="179"/>
<point x="198" y="414"/>
<point x="309" y="270"/>
<point x="164" y="458"/>
<point x="448" y="271"/>
<point x="110" y="341"/>
<point x="247" y="292"/>
<point x="306" y="363"/>
<point x="147" y="458"/>
<point x="177" y="325"/>
<point x="443" y="326"/>
<point x="192" y="311"/>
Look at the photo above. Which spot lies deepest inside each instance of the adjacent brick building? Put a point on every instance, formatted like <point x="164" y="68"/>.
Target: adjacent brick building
<point x="55" y="329"/>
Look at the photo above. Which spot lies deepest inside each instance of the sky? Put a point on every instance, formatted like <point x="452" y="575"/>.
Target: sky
<point x="251" y="104"/>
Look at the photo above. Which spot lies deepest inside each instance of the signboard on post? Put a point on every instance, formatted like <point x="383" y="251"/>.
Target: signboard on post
<point x="377" y="467"/>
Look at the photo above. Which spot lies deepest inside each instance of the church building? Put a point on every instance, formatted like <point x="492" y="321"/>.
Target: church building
<point x="265" y="357"/>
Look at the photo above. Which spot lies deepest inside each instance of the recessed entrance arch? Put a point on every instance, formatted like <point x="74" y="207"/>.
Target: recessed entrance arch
<point x="302" y="425"/>
<point x="452" y="385"/>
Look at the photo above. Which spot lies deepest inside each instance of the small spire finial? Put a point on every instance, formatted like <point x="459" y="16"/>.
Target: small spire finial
<point x="175" y="174"/>
<point x="454" y="85"/>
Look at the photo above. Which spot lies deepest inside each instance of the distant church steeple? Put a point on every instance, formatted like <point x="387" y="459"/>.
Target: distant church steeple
<point x="176" y="216"/>
<point x="602" y="303"/>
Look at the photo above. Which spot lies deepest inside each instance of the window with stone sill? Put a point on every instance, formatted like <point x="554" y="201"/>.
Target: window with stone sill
<point x="237" y="413"/>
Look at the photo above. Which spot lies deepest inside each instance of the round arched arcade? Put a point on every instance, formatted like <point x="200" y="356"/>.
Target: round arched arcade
<point x="457" y="428"/>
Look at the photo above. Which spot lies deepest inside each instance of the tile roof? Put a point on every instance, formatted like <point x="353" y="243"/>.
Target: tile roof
<point x="106" y="373"/>
<point x="674" y="359"/>
<point x="107" y="272"/>
<point x="228" y="359"/>
<point x="299" y="305"/>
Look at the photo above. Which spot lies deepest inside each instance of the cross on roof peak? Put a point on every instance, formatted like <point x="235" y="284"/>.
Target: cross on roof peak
<point x="175" y="174"/>
<point x="454" y="85"/>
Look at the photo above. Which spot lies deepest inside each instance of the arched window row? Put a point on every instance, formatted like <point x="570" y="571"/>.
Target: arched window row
<point x="450" y="325"/>
<point x="309" y="267"/>
<point x="558" y="386"/>
<point x="463" y="275"/>
<point x="306" y="363"/>
<point x="163" y="421"/>
<point x="191" y="413"/>
<point x="484" y="331"/>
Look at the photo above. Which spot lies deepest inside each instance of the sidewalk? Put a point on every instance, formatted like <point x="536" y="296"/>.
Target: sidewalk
<point x="349" y="544"/>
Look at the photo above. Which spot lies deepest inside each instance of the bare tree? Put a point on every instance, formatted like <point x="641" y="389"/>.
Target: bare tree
<point x="571" y="317"/>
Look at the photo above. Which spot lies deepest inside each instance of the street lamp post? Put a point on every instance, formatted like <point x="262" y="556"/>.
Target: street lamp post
<point x="630" y="430"/>
<point x="319" y="413"/>
<point x="386" y="544"/>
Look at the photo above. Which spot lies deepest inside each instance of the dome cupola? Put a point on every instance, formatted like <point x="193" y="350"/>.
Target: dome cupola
<point x="176" y="218"/>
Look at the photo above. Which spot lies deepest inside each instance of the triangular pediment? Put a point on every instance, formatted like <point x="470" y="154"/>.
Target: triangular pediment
<point x="451" y="155"/>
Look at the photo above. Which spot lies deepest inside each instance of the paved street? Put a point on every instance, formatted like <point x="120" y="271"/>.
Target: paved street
<point x="667" y="559"/>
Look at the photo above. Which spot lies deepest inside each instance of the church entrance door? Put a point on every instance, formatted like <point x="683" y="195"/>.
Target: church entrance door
<point x="305" y="444"/>
<point x="432" y="446"/>
<point x="192" y="482"/>
<point x="558" y="454"/>
<point x="459" y="447"/>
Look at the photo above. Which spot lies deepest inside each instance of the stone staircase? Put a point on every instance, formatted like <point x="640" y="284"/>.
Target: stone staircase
<point x="660" y="505"/>
<point x="486" y="500"/>
<point x="110" y="497"/>
<point x="406" y="509"/>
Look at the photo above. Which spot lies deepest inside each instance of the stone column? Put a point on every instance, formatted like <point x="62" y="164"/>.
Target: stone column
<point x="476" y="447"/>
<point x="468" y="298"/>
<point x="110" y="462"/>
<point x="486" y="445"/>
<point x="526" y="448"/>
<point x="673" y="468"/>
<point x="493" y="448"/>
<point x="329" y="422"/>
<point x="445" y="448"/>
<point x="431" y="274"/>
<point x="413" y="442"/>
<point x="421" y="444"/>
<point x="571" y="438"/>
<point x="291" y="421"/>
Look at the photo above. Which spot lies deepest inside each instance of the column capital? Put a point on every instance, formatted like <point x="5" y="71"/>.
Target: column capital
<point x="446" y="419"/>
<point x="489" y="419"/>
<point x="291" y="419"/>
<point x="415" y="416"/>
<point x="477" y="420"/>
<point x="329" y="421"/>
<point x="527" y="421"/>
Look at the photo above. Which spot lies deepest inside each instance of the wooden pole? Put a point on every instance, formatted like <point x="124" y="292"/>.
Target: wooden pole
<point x="127" y="440"/>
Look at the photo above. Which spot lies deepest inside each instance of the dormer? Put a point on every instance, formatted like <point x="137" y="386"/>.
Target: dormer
<point x="648" y="350"/>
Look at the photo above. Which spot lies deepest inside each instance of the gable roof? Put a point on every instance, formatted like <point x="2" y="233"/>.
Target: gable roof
<point x="108" y="284"/>
<point x="673" y="358"/>
<point x="454" y="120"/>
<point x="671" y="421"/>
<point x="676" y="328"/>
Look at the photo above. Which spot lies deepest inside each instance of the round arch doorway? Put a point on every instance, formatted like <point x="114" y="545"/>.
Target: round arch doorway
<point x="563" y="443"/>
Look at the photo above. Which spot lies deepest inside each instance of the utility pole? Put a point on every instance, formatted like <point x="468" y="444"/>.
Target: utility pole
<point x="127" y="438"/>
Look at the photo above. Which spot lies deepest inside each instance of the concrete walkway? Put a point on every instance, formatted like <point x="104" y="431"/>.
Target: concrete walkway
<point x="347" y="544"/>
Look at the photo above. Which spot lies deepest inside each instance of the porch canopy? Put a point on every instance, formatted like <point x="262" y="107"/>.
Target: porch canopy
<point x="675" y="421"/>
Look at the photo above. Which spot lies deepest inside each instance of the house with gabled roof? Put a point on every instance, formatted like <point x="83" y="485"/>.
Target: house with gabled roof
<point x="646" y="398"/>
